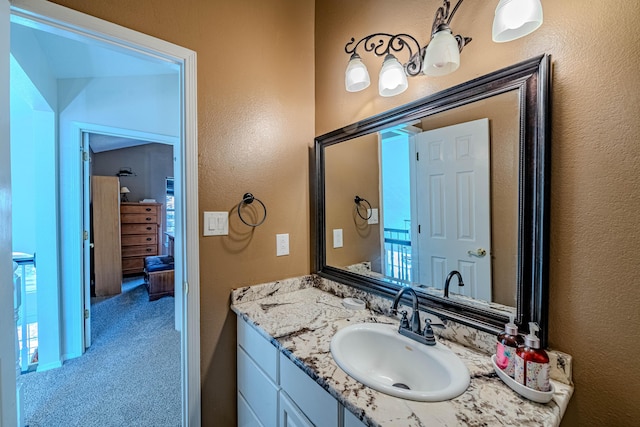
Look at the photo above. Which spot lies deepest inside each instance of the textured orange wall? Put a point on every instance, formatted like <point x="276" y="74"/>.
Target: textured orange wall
<point x="256" y="123"/>
<point x="595" y="174"/>
<point x="255" y="129"/>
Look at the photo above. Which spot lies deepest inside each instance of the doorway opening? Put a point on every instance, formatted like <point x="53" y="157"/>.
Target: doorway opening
<point x="68" y="319"/>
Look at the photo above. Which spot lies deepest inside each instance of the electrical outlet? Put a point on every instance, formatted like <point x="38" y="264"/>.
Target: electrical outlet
<point x="337" y="238"/>
<point x="372" y="214"/>
<point x="282" y="244"/>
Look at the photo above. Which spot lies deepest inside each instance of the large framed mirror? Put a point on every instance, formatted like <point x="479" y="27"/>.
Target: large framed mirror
<point x="456" y="181"/>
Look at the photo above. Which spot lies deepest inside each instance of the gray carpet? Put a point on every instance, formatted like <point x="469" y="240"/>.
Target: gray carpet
<point x="130" y="376"/>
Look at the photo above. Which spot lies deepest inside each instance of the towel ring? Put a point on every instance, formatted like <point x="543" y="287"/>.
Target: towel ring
<point x="247" y="199"/>
<point x="359" y="199"/>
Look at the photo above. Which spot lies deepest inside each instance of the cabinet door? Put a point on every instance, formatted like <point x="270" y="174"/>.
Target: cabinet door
<point x="316" y="403"/>
<point x="351" y="420"/>
<point x="290" y="415"/>
<point x="246" y="416"/>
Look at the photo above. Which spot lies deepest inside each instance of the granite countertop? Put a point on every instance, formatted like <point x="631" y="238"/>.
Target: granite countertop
<point x="300" y="319"/>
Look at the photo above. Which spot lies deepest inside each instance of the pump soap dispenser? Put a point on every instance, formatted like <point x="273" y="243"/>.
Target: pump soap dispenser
<point x="508" y="342"/>
<point x="532" y="362"/>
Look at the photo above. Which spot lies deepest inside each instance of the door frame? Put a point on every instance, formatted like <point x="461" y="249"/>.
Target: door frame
<point x="58" y="19"/>
<point x="82" y="130"/>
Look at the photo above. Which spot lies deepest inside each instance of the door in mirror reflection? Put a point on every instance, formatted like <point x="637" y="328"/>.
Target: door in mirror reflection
<point x="448" y="217"/>
<point x="452" y="207"/>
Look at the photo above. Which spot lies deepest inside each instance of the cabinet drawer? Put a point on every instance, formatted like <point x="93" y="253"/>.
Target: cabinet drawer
<point x="139" y="209"/>
<point x="139" y="239"/>
<point x="262" y="351"/>
<point x="146" y="250"/>
<point x="260" y="393"/>
<point x="133" y="264"/>
<point x="316" y="403"/>
<point x="138" y="228"/>
<point x="351" y="420"/>
<point x="134" y="218"/>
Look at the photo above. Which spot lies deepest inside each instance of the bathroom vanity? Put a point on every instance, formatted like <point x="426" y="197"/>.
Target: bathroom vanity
<point x="287" y="375"/>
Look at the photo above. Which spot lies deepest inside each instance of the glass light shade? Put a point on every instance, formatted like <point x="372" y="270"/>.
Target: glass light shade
<point x="393" y="79"/>
<point x="515" y="19"/>
<point x="356" y="77"/>
<point x="442" y="55"/>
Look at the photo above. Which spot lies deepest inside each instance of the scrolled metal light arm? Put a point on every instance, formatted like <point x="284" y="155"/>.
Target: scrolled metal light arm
<point x="387" y="43"/>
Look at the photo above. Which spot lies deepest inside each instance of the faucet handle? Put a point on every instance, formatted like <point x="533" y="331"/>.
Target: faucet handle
<point x="437" y="325"/>
<point x="428" y="334"/>
<point x="404" y="322"/>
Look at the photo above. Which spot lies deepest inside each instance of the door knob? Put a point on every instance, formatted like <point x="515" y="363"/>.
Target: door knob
<point x="478" y="252"/>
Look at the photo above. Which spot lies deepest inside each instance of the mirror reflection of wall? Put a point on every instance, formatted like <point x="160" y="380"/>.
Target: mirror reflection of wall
<point x="352" y="169"/>
<point x="369" y="166"/>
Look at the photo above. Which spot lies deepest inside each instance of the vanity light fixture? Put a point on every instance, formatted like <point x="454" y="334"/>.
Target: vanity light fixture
<point x="515" y="19"/>
<point x="441" y="56"/>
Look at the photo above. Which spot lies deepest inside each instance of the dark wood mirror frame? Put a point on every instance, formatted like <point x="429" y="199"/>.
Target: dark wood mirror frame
<point x="532" y="79"/>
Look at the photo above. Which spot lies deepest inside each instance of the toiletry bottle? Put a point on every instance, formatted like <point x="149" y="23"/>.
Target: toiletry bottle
<point x="532" y="362"/>
<point x="508" y="342"/>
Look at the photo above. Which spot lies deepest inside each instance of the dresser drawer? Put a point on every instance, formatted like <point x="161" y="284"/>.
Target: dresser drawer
<point x="135" y="218"/>
<point x="139" y="239"/>
<point x="138" y="228"/>
<point x="142" y="250"/>
<point x="132" y="264"/>
<point x="139" y="209"/>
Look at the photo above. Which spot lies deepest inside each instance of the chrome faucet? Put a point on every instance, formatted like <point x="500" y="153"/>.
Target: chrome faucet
<point x="446" y="282"/>
<point x="415" y="315"/>
<point x="412" y="329"/>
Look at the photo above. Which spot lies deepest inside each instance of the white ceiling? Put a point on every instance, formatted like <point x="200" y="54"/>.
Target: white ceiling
<point x="71" y="57"/>
<point x="100" y="143"/>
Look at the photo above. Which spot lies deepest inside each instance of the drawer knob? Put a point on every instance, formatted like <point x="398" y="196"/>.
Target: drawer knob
<point x="148" y="219"/>
<point x="149" y="228"/>
<point x="148" y="209"/>
<point x="149" y="239"/>
<point x="149" y="249"/>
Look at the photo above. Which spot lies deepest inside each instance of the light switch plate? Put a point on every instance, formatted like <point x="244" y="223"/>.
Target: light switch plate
<point x="372" y="214"/>
<point x="216" y="224"/>
<point x="282" y="244"/>
<point x="337" y="238"/>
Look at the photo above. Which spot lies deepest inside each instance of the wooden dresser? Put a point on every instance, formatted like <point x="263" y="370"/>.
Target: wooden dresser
<point x="141" y="228"/>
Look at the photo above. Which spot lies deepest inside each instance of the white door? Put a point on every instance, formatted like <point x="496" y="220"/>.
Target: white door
<point x="87" y="242"/>
<point x="453" y="207"/>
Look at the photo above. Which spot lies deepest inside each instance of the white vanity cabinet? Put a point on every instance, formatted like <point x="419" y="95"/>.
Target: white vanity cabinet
<point x="257" y="375"/>
<point x="273" y="391"/>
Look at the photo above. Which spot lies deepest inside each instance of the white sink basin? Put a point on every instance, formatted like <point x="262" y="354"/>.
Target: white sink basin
<point x="379" y="357"/>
